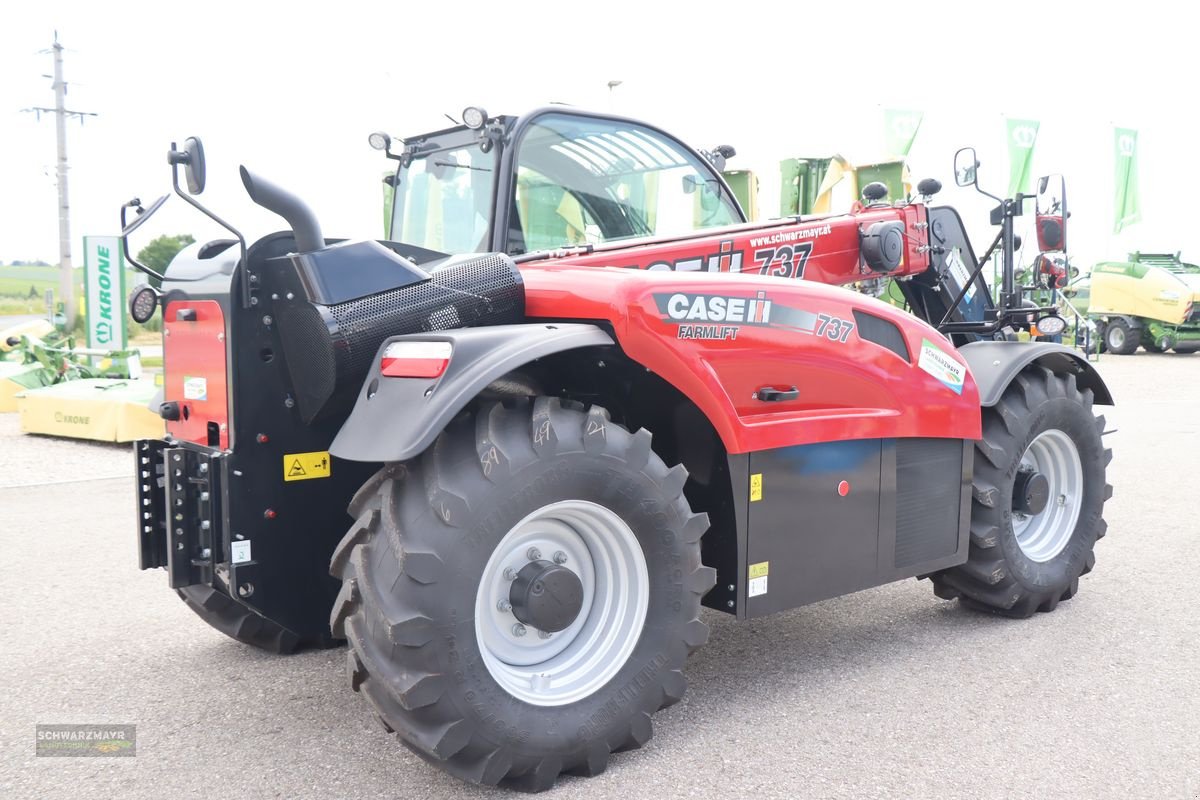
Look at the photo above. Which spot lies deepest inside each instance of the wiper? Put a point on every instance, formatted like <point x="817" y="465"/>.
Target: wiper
<point x="456" y="165"/>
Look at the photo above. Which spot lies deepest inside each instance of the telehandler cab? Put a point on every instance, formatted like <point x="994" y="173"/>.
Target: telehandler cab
<point x="576" y="397"/>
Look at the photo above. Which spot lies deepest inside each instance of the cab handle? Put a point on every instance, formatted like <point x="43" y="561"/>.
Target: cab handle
<point x="769" y="394"/>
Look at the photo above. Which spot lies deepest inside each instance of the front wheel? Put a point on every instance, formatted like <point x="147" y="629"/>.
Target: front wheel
<point x="1037" y="508"/>
<point x="521" y="598"/>
<point x="1120" y="338"/>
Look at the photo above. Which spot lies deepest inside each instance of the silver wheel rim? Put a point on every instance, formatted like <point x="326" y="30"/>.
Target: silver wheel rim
<point x="1116" y="337"/>
<point x="1042" y="536"/>
<point x="570" y="665"/>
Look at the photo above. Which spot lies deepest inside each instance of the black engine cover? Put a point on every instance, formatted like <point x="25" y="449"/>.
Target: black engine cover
<point x="328" y="347"/>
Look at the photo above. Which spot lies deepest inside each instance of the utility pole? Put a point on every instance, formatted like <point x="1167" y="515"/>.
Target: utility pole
<point x="66" y="270"/>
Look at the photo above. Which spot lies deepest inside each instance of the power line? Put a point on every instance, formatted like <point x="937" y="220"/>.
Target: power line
<point x="61" y="114"/>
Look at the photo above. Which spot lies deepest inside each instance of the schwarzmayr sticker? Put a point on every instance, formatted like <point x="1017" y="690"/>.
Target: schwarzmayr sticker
<point x="941" y="366"/>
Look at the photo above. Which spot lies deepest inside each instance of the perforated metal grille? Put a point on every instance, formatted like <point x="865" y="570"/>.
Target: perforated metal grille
<point x="928" y="483"/>
<point x="310" y="360"/>
<point x="329" y="355"/>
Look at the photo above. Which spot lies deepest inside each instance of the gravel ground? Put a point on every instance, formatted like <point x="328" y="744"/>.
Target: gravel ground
<point x="886" y="693"/>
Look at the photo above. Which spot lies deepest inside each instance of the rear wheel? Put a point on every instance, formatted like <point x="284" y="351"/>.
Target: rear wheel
<point x="521" y="598"/>
<point x="1038" y="499"/>
<point x="1119" y="337"/>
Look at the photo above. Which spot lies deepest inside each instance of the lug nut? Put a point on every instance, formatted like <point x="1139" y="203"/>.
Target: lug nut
<point x="510" y="574"/>
<point x="560" y="557"/>
<point x="504" y="606"/>
<point x="544" y="634"/>
<point x="533" y="554"/>
<point x="518" y="629"/>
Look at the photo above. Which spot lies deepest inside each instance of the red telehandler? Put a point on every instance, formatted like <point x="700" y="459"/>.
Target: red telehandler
<point x="574" y="397"/>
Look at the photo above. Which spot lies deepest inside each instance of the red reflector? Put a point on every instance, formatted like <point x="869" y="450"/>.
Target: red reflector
<point x="415" y="359"/>
<point x="844" y="488"/>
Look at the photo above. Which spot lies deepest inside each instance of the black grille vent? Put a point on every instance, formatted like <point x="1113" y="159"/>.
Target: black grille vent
<point x="882" y="332"/>
<point x="928" y="492"/>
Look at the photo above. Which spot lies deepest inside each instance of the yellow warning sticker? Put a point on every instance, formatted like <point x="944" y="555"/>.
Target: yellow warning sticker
<point x="306" y="466"/>
<point x="756" y="487"/>
<point x="757" y="585"/>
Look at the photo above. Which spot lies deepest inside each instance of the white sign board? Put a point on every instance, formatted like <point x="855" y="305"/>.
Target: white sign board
<point x="105" y="283"/>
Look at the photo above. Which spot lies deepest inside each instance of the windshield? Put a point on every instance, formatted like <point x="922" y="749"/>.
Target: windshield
<point x="443" y="200"/>
<point x="587" y="180"/>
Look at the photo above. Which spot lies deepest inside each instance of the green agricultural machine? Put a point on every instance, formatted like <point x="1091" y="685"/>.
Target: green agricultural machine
<point x="1151" y="300"/>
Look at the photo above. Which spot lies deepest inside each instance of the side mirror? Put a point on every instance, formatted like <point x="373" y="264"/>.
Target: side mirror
<point x="965" y="167"/>
<point x="192" y="159"/>
<point x="1051" y="215"/>
<point x="698" y="183"/>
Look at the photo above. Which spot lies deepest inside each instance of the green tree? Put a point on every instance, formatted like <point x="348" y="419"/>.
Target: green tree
<point x="160" y="251"/>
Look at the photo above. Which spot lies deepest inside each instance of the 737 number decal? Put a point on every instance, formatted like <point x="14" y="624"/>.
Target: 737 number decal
<point x="785" y="261"/>
<point x="832" y="328"/>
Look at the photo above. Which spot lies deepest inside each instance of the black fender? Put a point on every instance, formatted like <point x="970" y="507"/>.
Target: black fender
<point x="1134" y="323"/>
<point x="395" y="419"/>
<point x="995" y="364"/>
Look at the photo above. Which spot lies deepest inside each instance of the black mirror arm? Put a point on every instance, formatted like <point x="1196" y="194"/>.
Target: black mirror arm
<point x="245" y="275"/>
<point x="128" y="228"/>
<point x="987" y="194"/>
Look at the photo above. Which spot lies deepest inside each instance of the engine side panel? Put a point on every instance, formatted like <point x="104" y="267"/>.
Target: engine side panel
<point x="722" y="343"/>
<point x="833" y="518"/>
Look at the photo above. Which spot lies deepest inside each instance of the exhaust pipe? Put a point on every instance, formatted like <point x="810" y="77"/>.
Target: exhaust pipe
<point x="287" y="205"/>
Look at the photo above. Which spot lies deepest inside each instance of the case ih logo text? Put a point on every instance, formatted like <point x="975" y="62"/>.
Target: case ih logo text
<point x="695" y="313"/>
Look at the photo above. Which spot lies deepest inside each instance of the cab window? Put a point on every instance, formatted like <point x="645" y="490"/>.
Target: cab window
<point x="588" y="181"/>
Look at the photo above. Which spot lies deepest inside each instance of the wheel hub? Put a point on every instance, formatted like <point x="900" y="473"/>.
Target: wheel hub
<point x="1047" y="495"/>
<point x="1031" y="492"/>
<point x="546" y="596"/>
<point x="554" y="645"/>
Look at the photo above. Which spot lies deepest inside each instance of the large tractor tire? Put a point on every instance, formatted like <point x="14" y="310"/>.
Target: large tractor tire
<point x="1038" y="499"/>
<point x="239" y="622"/>
<point x="523" y="596"/>
<point x="1120" y="338"/>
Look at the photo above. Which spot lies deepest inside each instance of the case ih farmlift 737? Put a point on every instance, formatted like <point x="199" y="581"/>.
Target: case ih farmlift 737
<point x="577" y="397"/>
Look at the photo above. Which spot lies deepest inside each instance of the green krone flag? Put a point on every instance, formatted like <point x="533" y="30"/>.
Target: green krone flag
<point x="1022" y="136"/>
<point x="1127" y="209"/>
<point x="899" y="130"/>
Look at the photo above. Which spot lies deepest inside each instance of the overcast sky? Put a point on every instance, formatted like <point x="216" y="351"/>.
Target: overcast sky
<point x="293" y="92"/>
